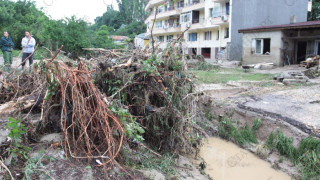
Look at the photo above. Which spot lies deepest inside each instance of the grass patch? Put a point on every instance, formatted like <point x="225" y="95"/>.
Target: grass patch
<point x="222" y="75"/>
<point x="166" y="164"/>
<point x="229" y="130"/>
<point x="204" y="66"/>
<point x="306" y="156"/>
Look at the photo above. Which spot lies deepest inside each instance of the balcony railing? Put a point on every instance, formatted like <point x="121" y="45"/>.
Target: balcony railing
<point x="198" y="20"/>
<point x="194" y="3"/>
<point x="219" y="14"/>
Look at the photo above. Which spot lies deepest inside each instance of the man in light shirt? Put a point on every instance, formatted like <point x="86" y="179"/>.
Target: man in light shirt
<point x="28" y="43"/>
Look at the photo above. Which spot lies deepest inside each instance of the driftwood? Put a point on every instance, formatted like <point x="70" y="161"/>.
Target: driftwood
<point x="124" y="65"/>
<point x="21" y="103"/>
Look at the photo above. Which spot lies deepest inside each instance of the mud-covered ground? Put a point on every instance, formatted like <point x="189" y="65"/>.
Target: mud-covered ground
<point x="294" y="108"/>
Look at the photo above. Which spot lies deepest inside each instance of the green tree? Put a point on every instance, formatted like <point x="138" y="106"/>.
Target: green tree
<point x="77" y="35"/>
<point x="110" y="18"/>
<point x="132" y="29"/>
<point x="102" y="39"/>
<point x="315" y="12"/>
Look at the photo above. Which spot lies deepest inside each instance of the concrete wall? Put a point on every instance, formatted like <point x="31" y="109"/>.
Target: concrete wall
<point x="249" y="56"/>
<point x="253" y="13"/>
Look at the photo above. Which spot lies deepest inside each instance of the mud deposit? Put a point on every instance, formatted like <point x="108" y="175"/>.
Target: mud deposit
<point x="227" y="161"/>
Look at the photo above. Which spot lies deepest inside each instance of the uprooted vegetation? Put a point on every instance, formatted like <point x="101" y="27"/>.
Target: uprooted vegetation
<point x="106" y="108"/>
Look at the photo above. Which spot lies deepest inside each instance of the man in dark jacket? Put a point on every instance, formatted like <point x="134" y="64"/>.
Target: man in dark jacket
<point x="7" y="47"/>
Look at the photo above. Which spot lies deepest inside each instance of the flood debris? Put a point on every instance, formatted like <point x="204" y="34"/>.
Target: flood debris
<point x="112" y="102"/>
<point x="291" y="77"/>
<point x="311" y="61"/>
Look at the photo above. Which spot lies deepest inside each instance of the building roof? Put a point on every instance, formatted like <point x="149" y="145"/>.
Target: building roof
<point x="143" y="36"/>
<point x="119" y="38"/>
<point x="307" y="24"/>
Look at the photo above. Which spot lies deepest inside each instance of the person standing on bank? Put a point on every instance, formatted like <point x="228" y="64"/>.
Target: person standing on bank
<point x="7" y="47"/>
<point x="28" y="43"/>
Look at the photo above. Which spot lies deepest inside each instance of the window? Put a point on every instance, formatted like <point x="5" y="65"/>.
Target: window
<point x="226" y="35"/>
<point x="206" y="52"/>
<point x="180" y="4"/>
<point x="227" y="8"/>
<point x="185" y="17"/>
<point x="207" y="36"/>
<point x="193" y="36"/>
<point x="160" y="9"/>
<point x="262" y="46"/>
<point x="218" y="35"/>
<point x="159" y="24"/>
<point x="161" y="38"/>
<point x="169" y="7"/>
<point x="169" y="38"/>
<point x="216" y="12"/>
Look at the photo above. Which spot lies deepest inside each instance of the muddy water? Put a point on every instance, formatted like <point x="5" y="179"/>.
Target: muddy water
<point x="227" y="161"/>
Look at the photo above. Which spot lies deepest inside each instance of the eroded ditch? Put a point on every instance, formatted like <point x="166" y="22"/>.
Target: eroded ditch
<point x="226" y="160"/>
<point x="232" y="162"/>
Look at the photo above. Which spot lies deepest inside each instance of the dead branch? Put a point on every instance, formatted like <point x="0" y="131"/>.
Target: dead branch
<point x="6" y="168"/>
<point x="21" y="103"/>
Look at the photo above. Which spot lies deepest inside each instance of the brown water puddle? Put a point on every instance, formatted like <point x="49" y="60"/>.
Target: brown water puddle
<point x="227" y="161"/>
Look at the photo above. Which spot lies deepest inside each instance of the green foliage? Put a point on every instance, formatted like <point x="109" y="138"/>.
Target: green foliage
<point x="165" y="164"/>
<point x="209" y="115"/>
<point x="150" y="67"/>
<point x="128" y="21"/>
<point x="228" y="130"/>
<point x="256" y="124"/>
<point x="132" y="129"/>
<point x="34" y="166"/>
<point x="306" y="156"/>
<point x="204" y="66"/>
<point x="315" y="11"/>
<point x="17" y="131"/>
<point x="52" y="87"/>
<point x="102" y="39"/>
<point x="76" y="36"/>
<point x="132" y="29"/>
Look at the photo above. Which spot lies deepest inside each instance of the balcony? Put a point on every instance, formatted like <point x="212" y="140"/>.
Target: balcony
<point x="195" y="5"/>
<point x="152" y="3"/>
<point x="220" y="1"/>
<point x="171" y="11"/>
<point x="220" y="18"/>
<point x="198" y="23"/>
<point x="167" y="28"/>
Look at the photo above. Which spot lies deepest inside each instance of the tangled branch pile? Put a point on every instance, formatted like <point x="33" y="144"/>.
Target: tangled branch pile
<point x="127" y="98"/>
<point x="90" y="128"/>
<point x="158" y="91"/>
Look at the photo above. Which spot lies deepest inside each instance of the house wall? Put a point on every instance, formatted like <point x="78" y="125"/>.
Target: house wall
<point x="249" y="56"/>
<point x="139" y="43"/>
<point x="253" y="13"/>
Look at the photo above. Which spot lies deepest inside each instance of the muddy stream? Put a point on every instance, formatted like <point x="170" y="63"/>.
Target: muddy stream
<point x="227" y="161"/>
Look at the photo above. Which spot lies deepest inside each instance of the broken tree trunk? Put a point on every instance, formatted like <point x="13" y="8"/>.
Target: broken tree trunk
<point x="21" y="103"/>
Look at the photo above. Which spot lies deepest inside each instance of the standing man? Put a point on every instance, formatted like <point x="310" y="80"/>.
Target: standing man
<point x="28" y="43"/>
<point x="7" y="47"/>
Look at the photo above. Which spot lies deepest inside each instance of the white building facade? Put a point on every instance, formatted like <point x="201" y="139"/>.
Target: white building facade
<point x="207" y="20"/>
<point x="214" y="24"/>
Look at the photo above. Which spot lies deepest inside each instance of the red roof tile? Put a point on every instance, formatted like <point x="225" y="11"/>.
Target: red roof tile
<point x="119" y="38"/>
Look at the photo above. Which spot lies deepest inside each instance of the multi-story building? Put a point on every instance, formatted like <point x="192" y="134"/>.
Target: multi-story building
<point x="214" y="24"/>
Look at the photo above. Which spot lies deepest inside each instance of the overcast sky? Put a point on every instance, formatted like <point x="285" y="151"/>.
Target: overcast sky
<point x="86" y="9"/>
